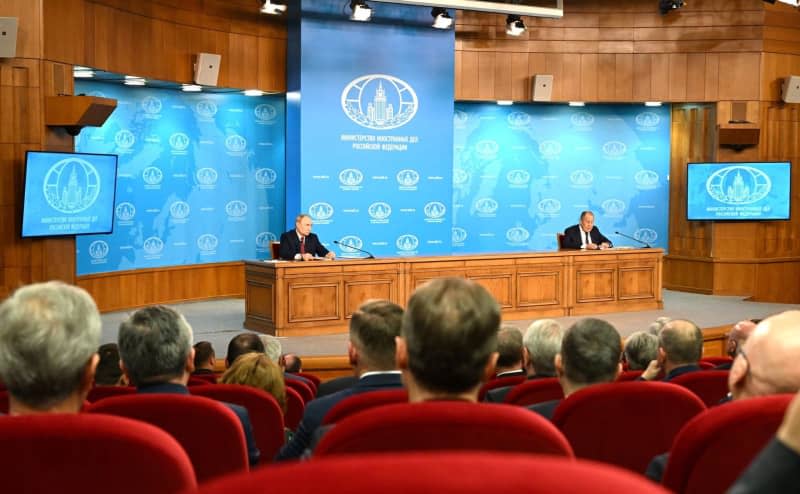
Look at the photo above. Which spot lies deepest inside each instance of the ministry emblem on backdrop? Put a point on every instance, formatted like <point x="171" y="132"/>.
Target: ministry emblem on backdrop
<point x="321" y="212"/>
<point x="350" y="240"/>
<point x="647" y="120"/>
<point x="264" y="239"/>
<point x="407" y="243"/>
<point x="98" y="251"/>
<point x="459" y="236"/>
<point x="581" y="178"/>
<point x="265" y="113"/>
<point x="71" y="185"/>
<point x="266" y="177"/>
<point x="646" y="235"/>
<point x="736" y="185"/>
<point x="379" y="101"/>
<point x="205" y="109"/>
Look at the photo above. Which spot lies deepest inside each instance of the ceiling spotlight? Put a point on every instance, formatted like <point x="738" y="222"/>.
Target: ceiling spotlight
<point x="268" y="7"/>
<point x="514" y="25"/>
<point x="191" y="88"/>
<point x="253" y="92"/>
<point x="82" y="72"/>
<point x="361" y="11"/>
<point x="441" y="19"/>
<point x="132" y="80"/>
<point x="664" y="6"/>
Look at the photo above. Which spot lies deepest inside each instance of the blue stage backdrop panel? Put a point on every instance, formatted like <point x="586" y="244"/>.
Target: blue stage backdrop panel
<point x="523" y="173"/>
<point x="201" y="177"/>
<point x="375" y="129"/>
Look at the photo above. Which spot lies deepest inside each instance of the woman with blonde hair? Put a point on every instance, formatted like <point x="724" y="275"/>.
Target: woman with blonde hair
<point x="257" y="370"/>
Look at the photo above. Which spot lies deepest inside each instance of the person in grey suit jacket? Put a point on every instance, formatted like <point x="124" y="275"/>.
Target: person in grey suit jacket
<point x="585" y="235"/>
<point x="300" y="244"/>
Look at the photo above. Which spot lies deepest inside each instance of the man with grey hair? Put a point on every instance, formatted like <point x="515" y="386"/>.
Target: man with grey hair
<point x="509" y="350"/>
<point x="272" y="347"/>
<point x="49" y="334"/>
<point x="155" y="346"/>
<point x="641" y="348"/>
<point x="541" y="343"/>
<point x="655" y="327"/>
<point x="680" y="346"/>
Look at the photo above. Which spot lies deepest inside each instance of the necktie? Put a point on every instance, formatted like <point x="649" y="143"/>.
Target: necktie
<point x="303" y="245"/>
<point x="588" y="240"/>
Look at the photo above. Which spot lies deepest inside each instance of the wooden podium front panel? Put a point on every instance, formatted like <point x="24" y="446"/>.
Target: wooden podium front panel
<point x="363" y="288"/>
<point x="318" y="300"/>
<point x="636" y="282"/>
<point x="540" y="289"/>
<point x="594" y="284"/>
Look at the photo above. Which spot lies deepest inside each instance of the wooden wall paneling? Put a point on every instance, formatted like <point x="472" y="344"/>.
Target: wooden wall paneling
<point x="554" y="65"/>
<point x="29" y="29"/>
<point x="242" y="51"/>
<point x="520" y="77"/>
<point x="678" y="76"/>
<point x="502" y="76"/>
<point x="695" y="77"/>
<point x="606" y="77"/>
<point x="486" y="75"/>
<point x="63" y="23"/>
<point x="470" y="88"/>
<point x="589" y="77"/>
<point x="659" y="81"/>
<point x="739" y="76"/>
<point x="642" y="77"/>
<point x="571" y="77"/>
<point x="272" y="64"/>
<point x="623" y="77"/>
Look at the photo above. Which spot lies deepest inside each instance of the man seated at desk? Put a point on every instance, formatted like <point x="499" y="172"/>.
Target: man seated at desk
<point x="585" y="235"/>
<point x="300" y="244"/>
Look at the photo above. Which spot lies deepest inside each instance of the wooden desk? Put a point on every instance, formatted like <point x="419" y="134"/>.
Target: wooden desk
<point x="288" y="298"/>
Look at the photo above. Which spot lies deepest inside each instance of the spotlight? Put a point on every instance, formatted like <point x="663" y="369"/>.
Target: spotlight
<point x="361" y="11"/>
<point x="514" y="25"/>
<point x="664" y="6"/>
<point x="441" y="19"/>
<point x="191" y="88"/>
<point x="132" y="80"/>
<point x="267" y="7"/>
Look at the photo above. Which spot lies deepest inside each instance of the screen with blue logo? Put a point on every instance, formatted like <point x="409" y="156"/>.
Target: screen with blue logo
<point x="201" y="177"/>
<point x="738" y="191"/>
<point x="525" y="172"/>
<point x="68" y="193"/>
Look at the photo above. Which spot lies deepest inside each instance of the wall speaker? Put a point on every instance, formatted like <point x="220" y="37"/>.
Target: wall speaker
<point x="206" y="69"/>
<point x="8" y="37"/>
<point x="542" y="87"/>
<point x="791" y="89"/>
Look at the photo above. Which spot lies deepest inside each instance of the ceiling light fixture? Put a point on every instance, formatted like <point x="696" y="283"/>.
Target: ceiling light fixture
<point x="191" y="88"/>
<point x="514" y="25"/>
<point x="441" y="19"/>
<point x="361" y="11"/>
<point x="82" y="72"/>
<point x="652" y="103"/>
<point x="267" y="7"/>
<point x="253" y="92"/>
<point x="132" y="80"/>
<point x="505" y="102"/>
<point x="577" y="103"/>
<point x="666" y="6"/>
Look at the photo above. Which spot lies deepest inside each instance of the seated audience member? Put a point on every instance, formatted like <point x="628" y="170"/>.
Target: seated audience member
<point x="272" y="347"/>
<point x="108" y="371"/>
<point x="371" y="350"/>
<point x="204" y="358"/>
<point x="641" y="348"/>
<point x="447" y="347"/>
<point x="541" y="343"/>
<point x="590" y="354"/>
<point x="334" y="385"/>
<point x="241" y="344"/>
<point x="680" y="346"/>
<point x="509" y="350"/>
<point x="292" y="363"/>
<point x="736" y="338"/>
<point x="257" y="370"/>
<point x="49" y="333"/>
<point x="155" y="344"/>
<point x="655" y="327"/>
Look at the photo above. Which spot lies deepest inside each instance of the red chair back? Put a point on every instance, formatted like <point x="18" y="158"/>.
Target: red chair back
<point x="295" y="406"/>
<point x="4" y="402"/>
<point x="627" y="423"/>
<point x="715" y="447"/>
<point x="715" y="361"/>
<point x="302" y="388"/>
<point x="499" y="382"/>
<point x="705" y="365"/>
<point x="208" y="378"/>
<point x="197" y="381"/>
<point x="451" y="472"/>
<point x="209" y="431"/>
<point x="709" y="385"/>
<point x="629" y="375"/>
<point x="535" y="391"/>
<point x="91" y="453"/>
<point x="311" y="377"/>
<point x="443" y="425"/>
<point x="363" y="401"/>
<point x="265" y="413"/>
<point x="99" y="392"/>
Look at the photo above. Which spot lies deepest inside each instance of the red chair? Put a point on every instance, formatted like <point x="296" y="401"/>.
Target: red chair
<point x="443" y="425"/>
<point x="364" y="401"/>
<point x="715" y="447"/>
<point x="91" y="454"/>
<point x="302" y="388"/>
<point x="715" y="361"/>
<point x="295" y="406"/>
<point x="499" y="382"/>
<point x="629" y="375"/>
<point x="265" y="413"/>
<point x="311" y="377"/>
<point x="705" y="365"/>
<point x="4" y="402"/>
<point x="626" y="424"/>
<point x="535" y="391"/>
<point x="209" y="431"/>
<point x="208" y="378"/>
<point x="445" y="473"/>
<point x="710" y="385"/>
<point x="199" y="381"/>
<point x="99" y="392"/>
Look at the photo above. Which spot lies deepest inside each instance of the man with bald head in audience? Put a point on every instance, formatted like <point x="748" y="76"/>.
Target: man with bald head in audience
<point x="736" y="338"/>
<point x="680" y="346"/>
<point x="49" y="333"/>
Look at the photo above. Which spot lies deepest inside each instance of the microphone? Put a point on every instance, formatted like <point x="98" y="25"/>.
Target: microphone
<point x="369" y="255"/>
<point x="634" y="239"/>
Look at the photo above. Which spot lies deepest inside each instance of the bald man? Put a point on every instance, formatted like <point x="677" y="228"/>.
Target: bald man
<point x="680" y="346"/>
<point x="736" y="338"/>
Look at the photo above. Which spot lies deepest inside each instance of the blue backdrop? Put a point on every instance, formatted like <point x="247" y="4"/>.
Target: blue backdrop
<point x="201" y="177"/>
<point x="375" y="128"/>
<point x="522" y="173"/>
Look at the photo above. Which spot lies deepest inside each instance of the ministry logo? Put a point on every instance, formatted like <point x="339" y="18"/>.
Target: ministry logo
<point x="582" y="119"/>
<point x="646" y="179"/>
<point x="265" y="113"/>
<point x="581" y="179"/>
<point x="350" y="240"/>
<point x="518" y="120"/>
<point x="235" y="144"/>
<point x="646" y="235"/>
<point x="98" y="251"/>
<point x="518" y="178"/>
<point x="736" y="185"/>
<point x="205" y="109"/>
<point x="71" y="185"/>
<point x="206" y="178"/>
<point x="517" y="235"/>
<point x="407" y="243"/>
<point x="351" y="178"/>
<point x="487" y="149"/>
<point x="179" y="210"/>
<point x="152" y="176"/>
<point x="151" y="105"/>
<point x="460" y="119"/>
<point x="549" y="207"/>
<point x="460" y="177"/>
<point x="266" y="177"/>
<point x="179" y="141"/>
<point x="263" y="241"/>
<point x="614" y="149"/>
<point x="647" y="120"/>
<point x="486" y="206"/>
<point x="408" y="179"/>
<point x="379" y="212"/>
<point x="236" y="209"/>
<point x="459" y="236"/>
<point x="321" y="212"/>
<point x="124" y="139"/>
<point x="550" y="149"/>
<point x="125" y="212"/>
<point x="434" y="212"/>
<point x="613" y="208"/>
<point x="153" y="246"/>
<point x="207" y="243"/>
<point x="379" y="101"/>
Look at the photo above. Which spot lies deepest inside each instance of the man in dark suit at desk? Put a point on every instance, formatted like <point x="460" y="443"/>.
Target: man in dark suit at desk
<point x="300" y="244"/>
<point x="585" y="235"/>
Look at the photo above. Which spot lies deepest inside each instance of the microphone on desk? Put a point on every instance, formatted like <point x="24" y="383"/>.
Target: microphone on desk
<point x="369" y="255"/>
<point x="634" y="239"/>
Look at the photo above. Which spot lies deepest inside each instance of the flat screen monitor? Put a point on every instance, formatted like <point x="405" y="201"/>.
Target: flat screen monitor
<point x="738" y="191"/>
<point x="68" y="193"/>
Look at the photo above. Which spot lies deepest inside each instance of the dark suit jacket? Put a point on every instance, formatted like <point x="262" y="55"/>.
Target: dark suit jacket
<point x="573" y="234"/>
<point x="253" y="454"/>
<point x="290" y="245"/>
<point x="335" y="385"/>
<point x="775" y="469"/>
<point x="498" y="395"/>
<point x="545" y="408"/>
<point x="316" y="409"/>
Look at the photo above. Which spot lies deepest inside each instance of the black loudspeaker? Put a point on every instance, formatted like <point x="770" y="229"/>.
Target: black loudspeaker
<point x="8" y="37"/>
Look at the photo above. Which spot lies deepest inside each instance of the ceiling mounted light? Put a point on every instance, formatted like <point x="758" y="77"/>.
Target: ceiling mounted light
<point x="652" y="103"/>
<point x="253" y="92"/>
<point x="82" y="72"/>
<point x="361" y="11"/>
<point x="505" y="102"/>
<point x="514" y="25"/>
<point x="191" y="88"/>
<point x="441" y="19"/>
<point x="577" y="103"/>
<point x="665" y="6"/>
<point x="132" y="80"/>
<point x="268" y="7"/>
